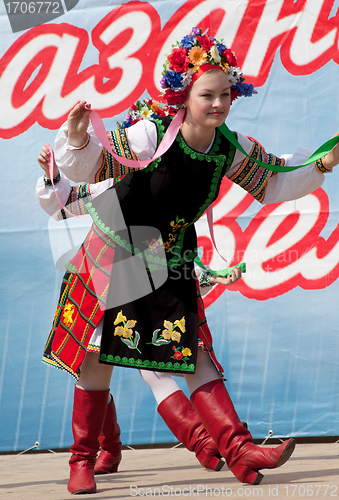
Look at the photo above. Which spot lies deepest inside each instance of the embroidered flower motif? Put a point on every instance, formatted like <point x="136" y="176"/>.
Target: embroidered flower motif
<point x="67" y="314"/>
<point x="154" y="244"/>
<point x="178" y="223"/>
<point x="125" y="331"/>
<point x="178" y="355"/>
<point x="186" y="352"/>
<point x="181" y="324"/>
<point x="120" y="318"/>
<point x="169" y="333"/>
<point x="181" y="353"/>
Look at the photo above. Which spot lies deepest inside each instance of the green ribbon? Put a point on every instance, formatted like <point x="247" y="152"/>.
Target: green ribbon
<point x="319" y="153"/>
<point x="223" y="272"/>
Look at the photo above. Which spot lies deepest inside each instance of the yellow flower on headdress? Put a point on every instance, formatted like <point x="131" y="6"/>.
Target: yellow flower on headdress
<point x="180" y="324"/>
<point x="197" y="56"/>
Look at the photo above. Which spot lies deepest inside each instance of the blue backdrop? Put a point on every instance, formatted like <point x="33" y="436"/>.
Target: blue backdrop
<point x="280" y="354"/>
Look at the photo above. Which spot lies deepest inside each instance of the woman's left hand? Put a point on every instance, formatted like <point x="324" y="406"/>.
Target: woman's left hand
<point x="332" y="158"/>
<point x="228" y="280"/>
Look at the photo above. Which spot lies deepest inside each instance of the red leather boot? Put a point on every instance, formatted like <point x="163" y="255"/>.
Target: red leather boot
<point x="181" y="418"/>
<point x="110" y="454"/>
<point x="243" y="457"/>
<point x="89" y="412"/>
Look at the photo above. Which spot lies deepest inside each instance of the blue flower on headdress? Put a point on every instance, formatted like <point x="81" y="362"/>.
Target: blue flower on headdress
<point x="221" y="48"/>
<point x="244" y="89"/>
<point x="187" y="42"/>
<point x="173" y="79"/>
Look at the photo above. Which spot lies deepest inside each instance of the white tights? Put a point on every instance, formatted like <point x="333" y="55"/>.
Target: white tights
<point x="96" y="376"/>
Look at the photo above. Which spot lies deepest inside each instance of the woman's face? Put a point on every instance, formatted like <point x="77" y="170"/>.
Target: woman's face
<point x="209" y="100"/>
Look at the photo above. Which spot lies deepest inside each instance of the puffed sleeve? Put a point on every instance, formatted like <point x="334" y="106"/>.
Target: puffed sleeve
<point x="46" y="195"/>
<point x="82" y="164"/>
<point x="142" y="138"/>
<point x="272" y="187"/>
<point x="78" y="164"/>
<point x="74" y="198"/>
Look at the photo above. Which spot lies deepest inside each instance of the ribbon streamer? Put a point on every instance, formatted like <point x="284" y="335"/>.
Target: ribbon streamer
<point x="167" y="141"/>
<point x="319" y="153"/>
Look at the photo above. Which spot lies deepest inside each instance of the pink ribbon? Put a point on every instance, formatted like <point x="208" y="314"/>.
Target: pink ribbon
<point x="166" y="143"/>
<point x="100" y="132"/>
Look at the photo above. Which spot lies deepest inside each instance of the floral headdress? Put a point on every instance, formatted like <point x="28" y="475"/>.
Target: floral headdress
<point x="189" y="59"/>
<point x="146" y="110"/>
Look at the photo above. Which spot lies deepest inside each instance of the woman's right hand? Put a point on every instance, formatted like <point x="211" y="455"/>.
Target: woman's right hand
<point x="43" y="160"/>
<point x="78" y="121"/>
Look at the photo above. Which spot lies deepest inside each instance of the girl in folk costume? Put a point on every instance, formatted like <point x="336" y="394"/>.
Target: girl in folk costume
<point x="140" y="319"/>
<point x="173" y="405"/>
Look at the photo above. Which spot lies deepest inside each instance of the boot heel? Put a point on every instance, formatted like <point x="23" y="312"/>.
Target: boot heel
<point x="246" y="475"/>
<point x="107" y="463"/>
<point x="215" y="463"/>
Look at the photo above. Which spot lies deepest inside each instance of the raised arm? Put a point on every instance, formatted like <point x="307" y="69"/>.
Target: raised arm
<point x="273" y="187"/>
<point x="78" y="152"/>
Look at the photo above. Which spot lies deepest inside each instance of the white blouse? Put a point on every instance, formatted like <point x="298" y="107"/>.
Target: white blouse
<point x="81" y="165"/>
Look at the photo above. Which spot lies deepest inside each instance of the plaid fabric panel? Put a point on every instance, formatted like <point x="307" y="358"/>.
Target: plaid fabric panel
<point x="110" y="167"/>
<point x="253" y="178"/>
<point x="82" y="301"/>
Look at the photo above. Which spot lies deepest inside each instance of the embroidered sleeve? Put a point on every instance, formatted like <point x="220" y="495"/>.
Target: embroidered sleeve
<point x="321" y="166"/>
<point x="78" y="197"/>
<point x="110" y="167"/>
<point x="56" y="180"/>
<point x="251" y="176"/>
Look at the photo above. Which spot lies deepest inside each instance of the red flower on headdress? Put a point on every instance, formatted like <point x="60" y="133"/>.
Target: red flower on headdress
<point x="170" y="111"/>
<point x="234" y="95"/>
<point x="230" y="57"/>
<point x="178" y="60"/>
<point x="174" y="98"/>
<point x="205" y="42"/>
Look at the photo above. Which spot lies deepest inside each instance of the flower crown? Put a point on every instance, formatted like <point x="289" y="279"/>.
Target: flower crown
<point x="146" y="110"/>
<point x="184" y="64"/>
